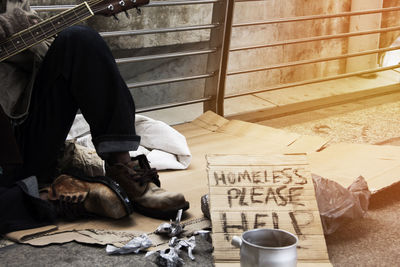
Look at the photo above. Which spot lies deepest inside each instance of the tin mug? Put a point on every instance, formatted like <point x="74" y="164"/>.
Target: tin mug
<point x="267" y="247"/>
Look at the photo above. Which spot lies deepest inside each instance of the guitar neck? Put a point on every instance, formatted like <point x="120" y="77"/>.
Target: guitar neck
<point x="46" y="29"/>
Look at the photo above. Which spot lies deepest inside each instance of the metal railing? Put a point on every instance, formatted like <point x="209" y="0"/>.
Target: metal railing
<point x="288" y="41"/>
<point x="219" y="49"/>
<point x="213" y="52"/>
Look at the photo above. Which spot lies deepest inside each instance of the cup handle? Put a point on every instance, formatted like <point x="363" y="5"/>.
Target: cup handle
<point x="236" y="241"/>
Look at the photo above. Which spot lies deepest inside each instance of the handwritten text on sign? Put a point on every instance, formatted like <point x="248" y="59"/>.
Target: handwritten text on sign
<point x="281" y="186"/>
<point x="252" y="192"/>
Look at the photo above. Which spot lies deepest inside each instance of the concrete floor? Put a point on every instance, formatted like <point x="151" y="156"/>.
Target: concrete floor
<point x="375" y="239"/>
<point x="371" y="241"/>
<point x="74" y="254"/>
<point x="368" y="121"/>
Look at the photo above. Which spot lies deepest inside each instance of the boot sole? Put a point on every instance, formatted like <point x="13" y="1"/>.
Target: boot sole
<point x="114" y="186"/>
<point x="165" y="214"/>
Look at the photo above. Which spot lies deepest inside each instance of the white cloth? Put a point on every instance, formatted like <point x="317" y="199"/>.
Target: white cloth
<point x="164" y="147"/>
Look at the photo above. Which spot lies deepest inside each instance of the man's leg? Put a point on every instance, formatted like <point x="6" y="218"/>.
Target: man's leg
<point x="78" y="72"/>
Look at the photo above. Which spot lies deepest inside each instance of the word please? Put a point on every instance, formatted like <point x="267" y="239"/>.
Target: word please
<point x="281" y="196"/>
<point x="279" y="176"/>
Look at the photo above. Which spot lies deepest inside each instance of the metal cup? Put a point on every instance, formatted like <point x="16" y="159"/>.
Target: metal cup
<point x="267" y="247"/>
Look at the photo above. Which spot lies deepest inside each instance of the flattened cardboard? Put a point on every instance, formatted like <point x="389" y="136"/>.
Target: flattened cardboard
<point x="264" y="191"/>
<point x="205" y="135"/>
<point x="343" y="163"/>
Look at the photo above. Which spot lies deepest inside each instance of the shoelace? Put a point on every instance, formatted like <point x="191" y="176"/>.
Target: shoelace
<point x="71" y="208"/>
<point x="143" y="176"/>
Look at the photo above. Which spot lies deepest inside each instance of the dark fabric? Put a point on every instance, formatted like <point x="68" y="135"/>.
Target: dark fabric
<point x="20" y="211"/>
<point x="3" y="6"/>
<point x="78" y="72"/>
<point x="9" y="153"/>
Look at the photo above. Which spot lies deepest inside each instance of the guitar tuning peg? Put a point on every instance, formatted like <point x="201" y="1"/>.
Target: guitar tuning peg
<point x="127" y="14"/>
<point x="139" y="11"/>
<point x="115" y="17"/>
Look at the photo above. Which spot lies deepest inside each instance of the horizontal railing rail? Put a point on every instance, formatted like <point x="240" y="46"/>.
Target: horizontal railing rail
<point x="169" y="80"/>
<point x="155" y="31"/>
<point x="317" y="38"/>
<point x="151" y="4"/>
<point x="317" y="60"/>
<point x="315" y="17"/>
<point x="173" y="105"/>
<point x="164" y="56"/>
<point x="311" y="81"/>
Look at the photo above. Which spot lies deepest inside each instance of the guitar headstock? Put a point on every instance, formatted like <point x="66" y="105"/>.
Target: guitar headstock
<point x="112" y="7"/>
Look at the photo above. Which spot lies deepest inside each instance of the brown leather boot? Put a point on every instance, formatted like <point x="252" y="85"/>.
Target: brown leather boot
<point x="142" y="185"/>
<point x="79" y="197"/>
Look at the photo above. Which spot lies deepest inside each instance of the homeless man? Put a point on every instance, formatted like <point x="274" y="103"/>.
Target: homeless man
<point x="41" y="90"/>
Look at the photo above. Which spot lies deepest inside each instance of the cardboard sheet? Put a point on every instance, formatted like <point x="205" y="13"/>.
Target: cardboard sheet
<point x="264" y="191"/>
<point x="212" y="134"/>
<point x="343" y="163"/>
<point x="209" y="134"/>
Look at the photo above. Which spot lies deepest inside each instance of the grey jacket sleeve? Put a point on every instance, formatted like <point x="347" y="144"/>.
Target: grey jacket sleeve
<point x="16" y="17"/>
<point x="17" y="73"/>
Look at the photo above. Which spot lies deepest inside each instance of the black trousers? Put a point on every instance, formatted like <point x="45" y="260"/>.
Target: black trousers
<point x="78" y="72"/>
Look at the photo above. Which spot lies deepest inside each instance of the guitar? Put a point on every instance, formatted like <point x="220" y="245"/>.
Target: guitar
<point x="37" y="33"/>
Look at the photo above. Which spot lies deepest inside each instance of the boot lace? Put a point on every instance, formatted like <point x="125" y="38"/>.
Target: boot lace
<point x="144" y="176"/>
<point x="71" y="208"/>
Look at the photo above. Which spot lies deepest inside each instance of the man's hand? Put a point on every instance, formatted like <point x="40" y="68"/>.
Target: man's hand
<point x="16" y="21"/>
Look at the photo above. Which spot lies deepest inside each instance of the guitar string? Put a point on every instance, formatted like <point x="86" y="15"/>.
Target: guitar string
<point x="94" y="8"/>
<point x="48" y="31"/>
<point x="46" y="28"/>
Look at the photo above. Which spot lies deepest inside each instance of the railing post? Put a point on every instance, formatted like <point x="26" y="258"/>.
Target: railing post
<point x="217" y="62"/>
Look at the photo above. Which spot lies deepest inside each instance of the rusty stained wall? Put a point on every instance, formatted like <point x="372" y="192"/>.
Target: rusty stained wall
<point x="273" y="33"/>
<point x="248" y="11"/>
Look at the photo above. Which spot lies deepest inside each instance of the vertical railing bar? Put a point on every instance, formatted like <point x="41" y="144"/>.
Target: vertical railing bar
<point x="225" y="56"/>
<point x="214" y="61"/>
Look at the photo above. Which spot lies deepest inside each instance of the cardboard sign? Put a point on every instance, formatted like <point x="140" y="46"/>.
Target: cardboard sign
<point x="263" y="191"/>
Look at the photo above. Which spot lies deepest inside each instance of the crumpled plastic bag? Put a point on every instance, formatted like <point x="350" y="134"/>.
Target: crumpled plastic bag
<point x="171" y="229"/>
<point x="170" y="257"/>
<point x="136" y="245"/>
<point x="80" y="160"/>
<point x="338" y="205"/>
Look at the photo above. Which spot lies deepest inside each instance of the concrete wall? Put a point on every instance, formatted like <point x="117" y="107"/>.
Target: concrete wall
<point x="273" y="33"/>
<point x="175" y="16"/>
<point x="156" y="18"/>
